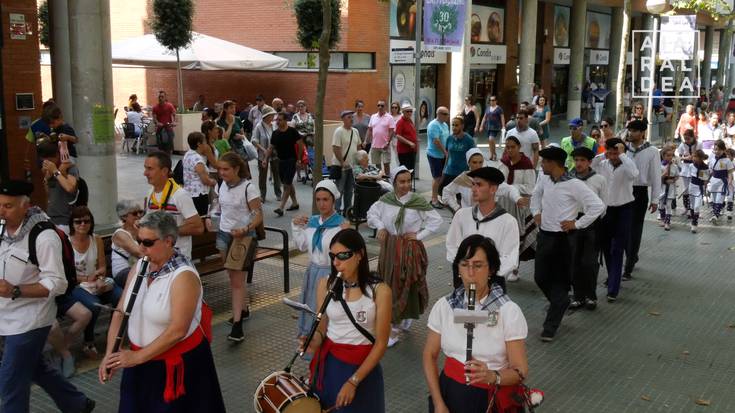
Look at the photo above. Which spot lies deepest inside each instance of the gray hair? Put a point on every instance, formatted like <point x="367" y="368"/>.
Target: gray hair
<point x="126" y="206"/>
<point x="161" y="222"/>
<point x="361" y="155"/>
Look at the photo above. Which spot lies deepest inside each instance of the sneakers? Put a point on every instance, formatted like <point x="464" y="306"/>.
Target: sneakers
<point x="395" y="334"/>
<point x="236" y="335"/>
<point x="278" y="212"/>
<point x="406" y="324"/>
<point x="547" y="336"/>
<point x="513" y="276"/>
<point x="590" y="304"/>
<point x="244" y="315"/>
<point x="611" y="298"/>
<point x="575" y="305"/>
<point x="437" y="205"/>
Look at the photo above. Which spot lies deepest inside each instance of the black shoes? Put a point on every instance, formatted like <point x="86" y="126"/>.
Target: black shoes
<point x="547" y="336"/>
<point x="245" y="314"/>
<point x="279" y="212"/>
<point x="236" y="335"/>
<point x="575" y="305"/>
<point x="89" y="405"/>
<point x="611" y="298"/>
<point x="627" y="276"/>
<point x="293" y="208"/>
<point x="590" y="304"/>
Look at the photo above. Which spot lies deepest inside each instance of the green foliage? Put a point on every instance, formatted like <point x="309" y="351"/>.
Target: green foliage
<point x="309" y="19"/>
<point x="43" y="24"/>
<point x="718" y="9"/>
<point x="171" y="22"/>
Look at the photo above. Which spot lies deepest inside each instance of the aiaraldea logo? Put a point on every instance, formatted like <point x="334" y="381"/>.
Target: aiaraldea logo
<point x="658" y="55"/>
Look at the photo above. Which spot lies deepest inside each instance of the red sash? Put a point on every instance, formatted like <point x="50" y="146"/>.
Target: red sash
<point x="504" y="396"/>
<point x="172" y="357"/>
<point x="346" y="353"/>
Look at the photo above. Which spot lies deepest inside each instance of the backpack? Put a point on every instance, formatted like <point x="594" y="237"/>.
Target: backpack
<point x="67" y="253"/>
<point x="179" y="172"/>
<point x="82" y="197"/>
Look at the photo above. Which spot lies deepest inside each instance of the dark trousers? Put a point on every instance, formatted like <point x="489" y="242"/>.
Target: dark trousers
<point x="201" y="203"/>
<point x="640" y="205"/>
<point x="554" y="253"/>
<point x="263" y="178"/>
<point x="407" y="159"/>
<point x="615" y="237"/>
<point x="586" y="263"/>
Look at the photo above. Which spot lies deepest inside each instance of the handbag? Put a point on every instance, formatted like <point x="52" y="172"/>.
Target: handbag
<point x="335" y="171"/>
<point x="251" y="152"/>
<point x="241" y="253"/>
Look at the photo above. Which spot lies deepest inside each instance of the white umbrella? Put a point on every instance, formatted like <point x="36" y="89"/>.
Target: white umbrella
<point x="203" y="53"/>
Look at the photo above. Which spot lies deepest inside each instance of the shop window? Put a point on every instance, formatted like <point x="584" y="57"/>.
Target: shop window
<point x="337" y="60"/>
<point x="360" y="61"/>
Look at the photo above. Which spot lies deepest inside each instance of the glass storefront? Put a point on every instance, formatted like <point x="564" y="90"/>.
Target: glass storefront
<point x="559" y="89"/>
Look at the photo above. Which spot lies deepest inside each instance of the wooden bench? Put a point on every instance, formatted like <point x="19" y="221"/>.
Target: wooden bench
<point x="209" y="261"/>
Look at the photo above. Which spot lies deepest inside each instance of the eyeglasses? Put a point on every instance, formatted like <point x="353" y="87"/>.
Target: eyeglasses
<point x="604" y="125"/>
<point x="408" y="111"/>
<point x="380" y="105"/>
<point x="147" y="242"/>
<point x="342" y="256"/>
<point x="137" y="213"/>
<point x="86" y="221"/>
<point x="475" y="266"/>
<point x="394" y="107"/>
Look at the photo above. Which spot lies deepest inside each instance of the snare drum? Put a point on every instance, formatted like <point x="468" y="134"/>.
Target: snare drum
<point x="282" y="392"/>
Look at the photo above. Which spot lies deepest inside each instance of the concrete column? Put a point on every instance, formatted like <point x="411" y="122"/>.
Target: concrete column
<point x="459" y="84"/>
<point x="730" y="79"/>
<point x="527" y="55"/>
<point x="576" y="60"/>
<point x="91" y="84"/>
<point x="60" y="59"/>
<point x="709" y="41"/>
<point x="616" y="40"/>
<point x="724" y="54"/>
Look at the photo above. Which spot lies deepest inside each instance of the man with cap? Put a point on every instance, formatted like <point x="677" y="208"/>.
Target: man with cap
<point x="648" y="162"/>
<point x="488" y="219"/>
<point x="556" y="203"/>
<point x="345" y="144"/>
<point x="27" y="305"/>
<point x="407" y="145"/>
<point x="586" y="252"/>
<point x="620" y="172"/>
<point x="576" y="139"/>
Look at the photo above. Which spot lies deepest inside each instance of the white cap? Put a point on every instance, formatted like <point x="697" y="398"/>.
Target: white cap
<point x="330" y="186"/>
<point x="396" y="171"/>
<point x="472" y="152"/>
<point x="406" y="106"/>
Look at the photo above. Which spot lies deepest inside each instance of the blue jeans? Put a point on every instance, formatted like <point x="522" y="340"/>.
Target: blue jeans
<point x="346" y="186"/>
<point x="88" y="300"/>
<point x="22" y="364"/>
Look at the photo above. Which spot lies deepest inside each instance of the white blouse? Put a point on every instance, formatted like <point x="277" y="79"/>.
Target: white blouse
<point x="302" y="236"/>
<point x="423" y="223"/>
<point x="151" y="313"/>
<point x="341" y="330"/>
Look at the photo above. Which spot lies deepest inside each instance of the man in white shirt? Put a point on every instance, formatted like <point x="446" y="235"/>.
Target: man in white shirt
<point x="556" y="204"/>
<point x="648" y="162"/>
<point x="345" y="144"/>
<point x="256" y="112"/>
<point x="620" y="172"/>
<point x="27" y="306"/>
<point x="488" y="219"/>
<point x="527" y="136"/>
<point x="167" y="196"/>
<point x="585" y="265"/>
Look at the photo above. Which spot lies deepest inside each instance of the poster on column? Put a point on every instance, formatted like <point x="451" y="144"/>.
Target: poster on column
<point x="402" y="90"/>
<point x="444" y="25"/>
<point x="561" y="26"/>
<point x="598" y="31"/>
<point x="677" y="37"/>
<point x="487" y="24"/>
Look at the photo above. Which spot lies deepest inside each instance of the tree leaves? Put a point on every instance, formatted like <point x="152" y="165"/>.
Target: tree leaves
<point x="309" y="19"/>
<point x="171" y="22"/>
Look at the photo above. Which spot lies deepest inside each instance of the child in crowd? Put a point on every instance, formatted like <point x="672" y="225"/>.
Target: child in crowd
<point x="699" y="174"/>
<point x="685" y="151"/>
<point x="730" y="187"/>
<point x="721" y="168"/>
<point x="669" y="175"/>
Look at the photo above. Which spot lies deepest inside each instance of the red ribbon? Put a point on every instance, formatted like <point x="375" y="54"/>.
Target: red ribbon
<point x="504" y="396"/>
<point x="353" y="354"/>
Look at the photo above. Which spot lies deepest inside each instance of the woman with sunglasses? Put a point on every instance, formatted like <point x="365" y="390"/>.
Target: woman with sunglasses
<point x="403" y="219"/>
<point x="499" y="364"/>
<point x="314" y="234"/>
<point x="471" y="115"/>
<point x="169" y="366"/>
<point x="493" y="122"/>
<point x="637" y="114"/>
<point x="353" y="334"/>
<point x="125" y="250"/>
<point x="89" y="258"/>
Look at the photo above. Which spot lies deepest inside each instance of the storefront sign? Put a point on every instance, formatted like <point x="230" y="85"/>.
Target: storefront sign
<point x="562" y="56"/>
<point x="644" y="63"/>
<point x="487" y="54"/>
<point x="444" y="25"/>
<point x="599" y="57"/>
<point x="677" y="37"/>
<point x="402" y="52"/>
<point x="17" y="26"/>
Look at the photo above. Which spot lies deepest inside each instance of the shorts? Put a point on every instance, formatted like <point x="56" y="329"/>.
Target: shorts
<point x="223" y="241"/>
<point x="437" y="166"/>
<point x="287" y="171"/>
<point x="63" y="304"/>
<point x="379" y="156"/>
<point x="493" y="134"/>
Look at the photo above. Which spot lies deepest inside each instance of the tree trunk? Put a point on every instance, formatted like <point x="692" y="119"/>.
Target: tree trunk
<point x="321" y="91"/>
<point x="622" y="68"/>
<point x="180" y="83"/>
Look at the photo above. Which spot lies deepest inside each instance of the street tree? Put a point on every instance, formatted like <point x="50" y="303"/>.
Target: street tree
<point x="43" y="24"/>
<point x="171" y="24"/>
<point x="622" y="65"/>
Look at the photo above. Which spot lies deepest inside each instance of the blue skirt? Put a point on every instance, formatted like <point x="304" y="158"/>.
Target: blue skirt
<point x="313" y="274"/>
<point x="369" y="397"/>
<point x="142" y="386"/>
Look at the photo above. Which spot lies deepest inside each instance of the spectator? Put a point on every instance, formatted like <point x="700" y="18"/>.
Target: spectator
<point x="94" y="286"/>
<point x="532" y="122"/>
<point x="527" y="136"/>
<point x="607" y="128"/>
<point x="543" y="115"/>
<point x="493" y="122"/>
<point x="290" y="111"/>
<point x="135" y="117"/>
<point x="284" y="141"/>
<point x="365" y="172"/>
<point x="215" y="135"/>
<point x="688" y="120"/>
<point x="407" y="145"/>
<point x="437" y="133"/>
<point x="125" y="248"/>
<point x="361" y="122"/>
<point x="196" y="176"/>
<point x="256" y="113"/>
<point x="277" y="105"/>
<point x="209" y="114"/>
<point x="131" y="100"/>
<point x="458" y="143"/>
<point x="303" y="122"/>
<point x="233" y="128"/>
<point x="52" y="121"/>
<point x="345" y="144"/>
<point x="576" y="139"/>
<point x="380" y="133"/>
<point x="471" y="115"/>
<point x="199" y="104"/>
<point x="61" y="182"/>
<point x="262" y="140"/>
<point x="164" y="114"/>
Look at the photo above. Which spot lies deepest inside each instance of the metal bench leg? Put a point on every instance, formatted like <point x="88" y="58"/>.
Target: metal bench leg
<point x="286" y="273"/>
<point x="250" y="272"/>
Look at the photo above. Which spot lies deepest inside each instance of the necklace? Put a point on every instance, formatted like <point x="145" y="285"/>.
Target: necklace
<point x="350" y="285"/>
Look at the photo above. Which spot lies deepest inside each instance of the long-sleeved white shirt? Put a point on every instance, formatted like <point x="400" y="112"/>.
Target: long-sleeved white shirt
<point x="449" y="194"/>
<point x="648" y="162"/>
<point x="302" y="236"/>
<point x="620" y="179"/>
<point x="25" y="314"/>
<point x="423" y="223"/>
<point x="503" y="230"/>
<point x="597" y="183"/>
<point x="562" y="200"/>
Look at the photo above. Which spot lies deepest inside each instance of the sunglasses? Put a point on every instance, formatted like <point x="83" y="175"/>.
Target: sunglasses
<point x="82" y="221"/>
<point x="342" y="256"/>
<point x="604" y="125"/>
<point x="147" y="242"/>
<point x="380" y="105"/>
<point x="394" y="107"/>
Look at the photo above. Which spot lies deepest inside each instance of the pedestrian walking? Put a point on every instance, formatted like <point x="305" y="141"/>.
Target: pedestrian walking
<point x="721" y="172"/>
<point x="345" y="145"/>
<point x="669" y="176"/>
<point x="437" y="133"/>
<point x="407" y="142"/>
<point x="699" y="176"/>
<point x="492" y="122"/>
<point x="286" y="143"/>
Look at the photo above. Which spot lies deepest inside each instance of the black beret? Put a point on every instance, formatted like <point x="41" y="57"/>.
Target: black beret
<point x="554" y="153"/>
<point x="16" y="188"/>
<point x="584" y="152"/>
<point x="488" y="173"/>
<point x="613" y="142"/>
<point x="637" y="125"/>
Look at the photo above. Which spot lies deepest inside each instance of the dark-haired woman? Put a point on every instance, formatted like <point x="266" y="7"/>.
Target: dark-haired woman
<point x="215" y="135"/>
<point x="499" y="363"/>
<point x="353" y="335"/>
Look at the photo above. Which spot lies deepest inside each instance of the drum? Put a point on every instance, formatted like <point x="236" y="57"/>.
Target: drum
<point x="282" y="392"/>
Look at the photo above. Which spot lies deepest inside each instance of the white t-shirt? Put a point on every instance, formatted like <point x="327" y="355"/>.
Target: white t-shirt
<point x="527" y="138"/>
<point x="118" y="260"/>
<point x="233" y="205"/>
<point x="192" y="181"/>
<point x="181" y="207"/>
<point x="489" y="343"/>
<point x="341" y="138"/>
<point x="341" y="330"/>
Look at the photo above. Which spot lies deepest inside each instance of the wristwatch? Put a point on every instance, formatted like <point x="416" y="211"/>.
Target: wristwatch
<point x="16" y="293"/>
<point x="354" y="380"/>
<point x="57" y="174"/>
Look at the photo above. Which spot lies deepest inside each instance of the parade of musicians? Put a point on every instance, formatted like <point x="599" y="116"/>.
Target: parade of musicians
<point x="311" y="206"/>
